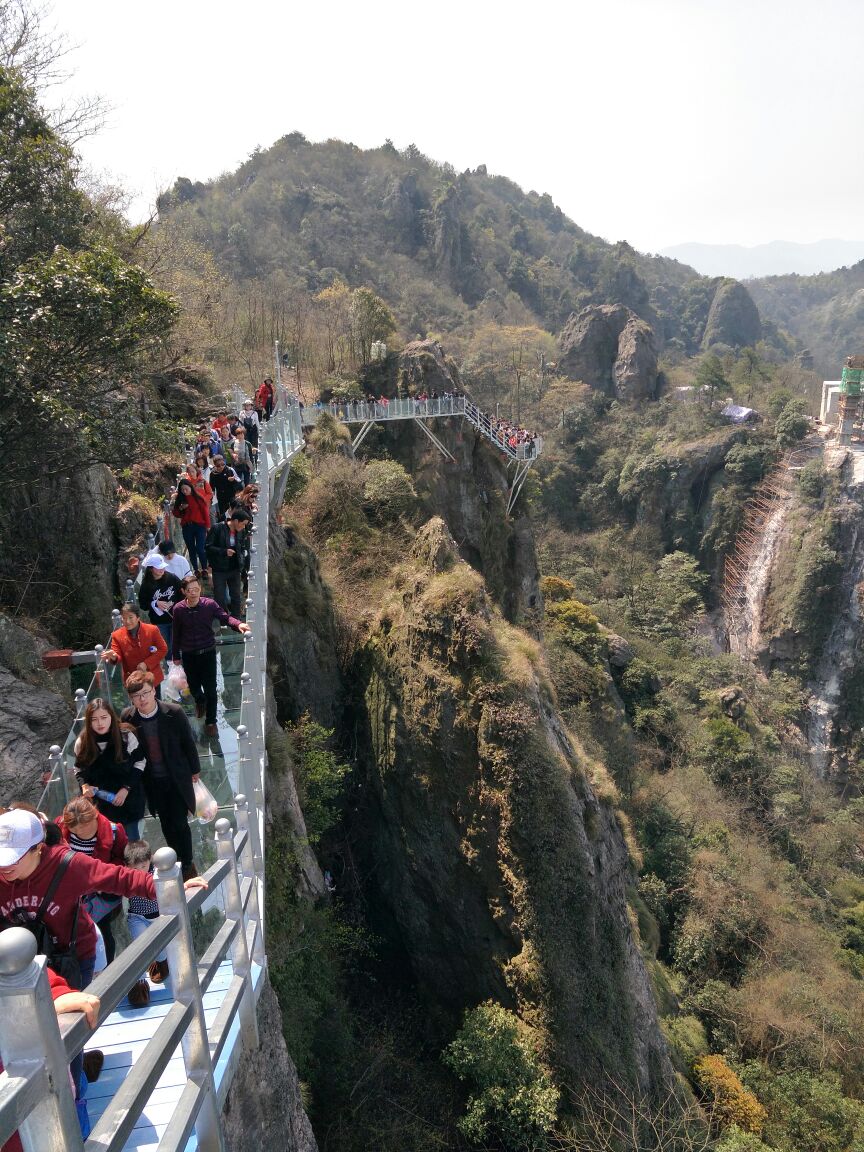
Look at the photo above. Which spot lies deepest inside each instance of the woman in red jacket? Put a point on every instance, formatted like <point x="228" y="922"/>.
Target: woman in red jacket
<point x="192" y="509"/>
<point x="139" y="647"/>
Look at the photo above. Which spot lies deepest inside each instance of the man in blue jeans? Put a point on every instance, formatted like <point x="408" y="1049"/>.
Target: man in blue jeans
<point x="194" y="646"/>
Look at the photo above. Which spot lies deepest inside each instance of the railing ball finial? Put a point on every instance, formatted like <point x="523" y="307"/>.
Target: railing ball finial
<point x="242" y="731"/>
<point x="245" y="677"/>
<point x="17" y="951"/>
<point x="54" y="750"/>
<point x="239" y="800"/>
<point x="223" y="828"/>
<point x="164" y="860"/>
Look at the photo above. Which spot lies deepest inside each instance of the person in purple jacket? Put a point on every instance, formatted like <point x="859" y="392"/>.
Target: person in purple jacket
<point x="194" y="646"/>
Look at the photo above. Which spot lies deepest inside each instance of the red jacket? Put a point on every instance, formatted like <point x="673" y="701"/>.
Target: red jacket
<point x="147" y="646"/>
<point x="265" y="393"/>
<point x="21" y="898"/>
<point x="197" y="510"/>
<point x="110" y="842"/>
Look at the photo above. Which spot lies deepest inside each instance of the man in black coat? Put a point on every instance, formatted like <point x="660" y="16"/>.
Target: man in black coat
<point x="225" y="483"/>
<point x="227" y="554"/>
<point x="172" y="764"/>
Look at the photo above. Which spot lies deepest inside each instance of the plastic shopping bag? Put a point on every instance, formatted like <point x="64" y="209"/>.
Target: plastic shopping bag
<point x="176" y="681"/>
<point x="206" y="807"/>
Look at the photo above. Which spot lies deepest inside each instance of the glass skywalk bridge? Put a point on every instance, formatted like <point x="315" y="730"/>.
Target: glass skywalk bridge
<point x="168" y="1067"/>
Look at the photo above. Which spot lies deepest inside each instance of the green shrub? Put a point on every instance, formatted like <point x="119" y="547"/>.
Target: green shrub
<point x="811" y="479"/>
<point x="792" y="423"/>
<point x="729" y="755"/>
<point x="513" y="1100"/>
<point x="806" y="1111"/>
<point x="388" y="490"/>
<point x="299" y="477"/>
<point x="746" y="462"/>
<point x="319" y="776"/>
<point x="687" y="1040"/>
<point x="734" y="1139"/>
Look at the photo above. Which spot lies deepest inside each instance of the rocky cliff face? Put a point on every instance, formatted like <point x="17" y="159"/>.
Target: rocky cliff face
<point x="264" y="1108"/>
<point x="733" y="318"/>
<point x="493" y="863"/>
<point x="470" y="494"/>
<point x="60" y="559"/>
<point x="303" y="640"/>
<point x="610" y="348"/>
<point x="35" y="712"/>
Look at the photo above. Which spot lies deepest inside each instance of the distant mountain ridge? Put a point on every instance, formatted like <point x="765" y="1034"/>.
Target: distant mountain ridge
<point x="449" y="251"/>
<point x="779" y="258"/>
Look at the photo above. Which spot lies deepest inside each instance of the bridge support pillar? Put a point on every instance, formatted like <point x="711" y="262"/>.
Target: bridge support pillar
<point x="445" y="452"/>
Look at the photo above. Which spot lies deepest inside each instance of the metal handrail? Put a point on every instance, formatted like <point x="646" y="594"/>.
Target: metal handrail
<point x="412" y="408"/>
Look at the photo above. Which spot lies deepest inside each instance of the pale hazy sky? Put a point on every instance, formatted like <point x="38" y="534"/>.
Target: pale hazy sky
<point x="654" y="121"/>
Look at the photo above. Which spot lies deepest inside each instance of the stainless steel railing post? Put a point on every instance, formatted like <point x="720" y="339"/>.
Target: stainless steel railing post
<point x="183" y="966"/>
<point x="239" y="952"/>
<point x="30" y="1036"/>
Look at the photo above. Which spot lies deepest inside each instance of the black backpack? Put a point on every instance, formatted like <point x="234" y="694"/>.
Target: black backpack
<point x="64" y="961"/>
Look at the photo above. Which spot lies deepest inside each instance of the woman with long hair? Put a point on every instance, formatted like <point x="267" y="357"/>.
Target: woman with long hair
<point x="109" y="765"/>
<point x="192" y="509"/>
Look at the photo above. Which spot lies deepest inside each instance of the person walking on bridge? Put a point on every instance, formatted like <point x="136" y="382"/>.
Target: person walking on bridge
<point x="172" y="764"/>
<point x="194" y="646"/>
<point x="192" y="509"/>
<point x="265" y="398"/>
<point x="159" y="591"/>
<point x="137" y="646"/>
<point x="227" y="552"/>
<point x="109" y="763"/>
<point x="226" y="484"/>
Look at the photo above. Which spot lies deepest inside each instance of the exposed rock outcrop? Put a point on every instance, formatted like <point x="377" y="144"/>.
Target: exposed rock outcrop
<point x="609" y="347"/>
<point x="264" y="1108"/>
<point x="494" y="865"/>
<point x="446" y="240"/>
<point x="303" y="640"/>
<point x="35" y="712"/>
<point x="471" y="497"/>
<point x="425" y="367"/>
<point x="733" y="318"/>
<point x="401" y="206"/>
<point x="63" y="574"/>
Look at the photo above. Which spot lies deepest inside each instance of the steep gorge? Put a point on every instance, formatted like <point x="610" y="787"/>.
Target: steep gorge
<point x="486" y="862"/>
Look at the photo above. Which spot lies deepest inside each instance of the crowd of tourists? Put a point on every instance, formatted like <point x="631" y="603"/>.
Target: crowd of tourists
<point x="66" y="879"/>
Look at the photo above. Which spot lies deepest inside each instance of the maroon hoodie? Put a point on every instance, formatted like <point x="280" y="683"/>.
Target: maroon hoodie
<point x="83" y="875"/>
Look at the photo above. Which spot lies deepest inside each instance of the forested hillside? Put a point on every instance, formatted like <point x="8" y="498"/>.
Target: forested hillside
<point x="825" y="313"/>
<point x="449" y="252"/>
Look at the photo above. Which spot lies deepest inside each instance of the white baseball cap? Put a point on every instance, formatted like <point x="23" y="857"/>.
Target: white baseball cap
<point x="155" y="560"/>
<point x="19" y="832"/>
